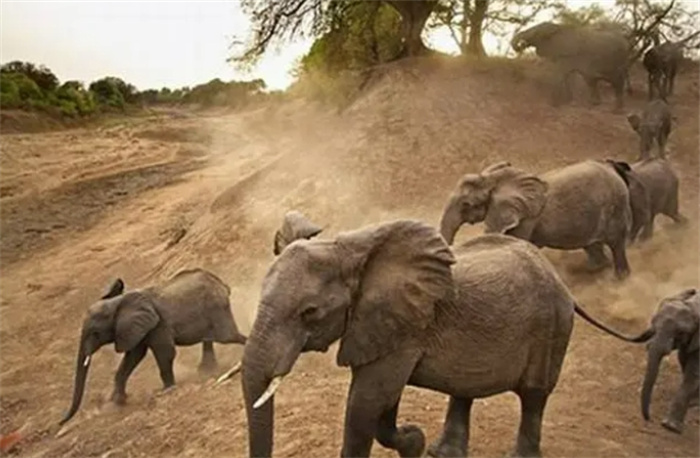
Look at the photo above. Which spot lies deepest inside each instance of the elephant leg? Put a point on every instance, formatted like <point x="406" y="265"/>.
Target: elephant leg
<point x="131" y="359"/>
<point x="407" y="440"/>
<point x="618" y="85"/>
<point x="619" y="252"/>
<point x="687" y="392"/>
<point x="208" y="364"/>
<point x="648" y="229"/>
<point x="593" y="93"/>
<point x="375" y="389"/>
<point x="596" y="257"/>
<point x="454" y="440"/>
<point x="163" y="347"/>
<point x="532" y="404"/>
<point x="672" y="211"/>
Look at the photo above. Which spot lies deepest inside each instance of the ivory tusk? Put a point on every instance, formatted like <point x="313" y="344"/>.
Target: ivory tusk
<point x="269" y="392"/>
<point x="230" y="373"/>
<point x="87" y="361"/>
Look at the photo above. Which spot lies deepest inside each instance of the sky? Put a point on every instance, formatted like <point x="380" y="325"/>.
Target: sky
<point x="150" y="44"/>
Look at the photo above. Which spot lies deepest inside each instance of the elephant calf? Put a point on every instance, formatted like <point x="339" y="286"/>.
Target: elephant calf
<point x="674" y="326"/>
<point x="191" y="307"/>
<point x="653" y="125"/>
<point x="653" y="191"/>
<point x="584" y="205"/>
<point x="295" y="226"/>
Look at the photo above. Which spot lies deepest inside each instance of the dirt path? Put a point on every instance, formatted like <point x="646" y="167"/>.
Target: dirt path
<point x="141" y="200"/>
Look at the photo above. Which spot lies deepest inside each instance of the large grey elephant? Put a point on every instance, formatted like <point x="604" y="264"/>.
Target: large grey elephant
<point x="191" y="307"/>
<point x="408" y="310"/>
<point x="674" y="326"/>
<point x="583" y="205"/>
<point x="653" y="191"/>
<point x="596" y="54"/>
<point x="295" y="226"/>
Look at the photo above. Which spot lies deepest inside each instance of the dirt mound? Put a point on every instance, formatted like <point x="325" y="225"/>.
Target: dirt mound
<point x="208" y="189"/>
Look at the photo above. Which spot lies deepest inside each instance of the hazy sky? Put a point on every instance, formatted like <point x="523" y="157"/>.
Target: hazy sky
<point x="150" y="44"/>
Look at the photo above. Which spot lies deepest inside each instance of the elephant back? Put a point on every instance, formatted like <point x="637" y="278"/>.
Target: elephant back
<point x="587" y="202"/>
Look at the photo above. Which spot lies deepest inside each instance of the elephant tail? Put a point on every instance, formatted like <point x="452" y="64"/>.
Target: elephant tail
<point x="643" y="337"/>
<point x="622" y="168"/>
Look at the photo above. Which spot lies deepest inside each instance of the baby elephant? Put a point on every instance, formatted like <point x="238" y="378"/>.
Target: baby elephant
<point x="653" y="188"/>
<point x="654" y="124"/>
<point x="191" y="307"/>
<point x="294" y="227"/>
<point x="674" y="326"/>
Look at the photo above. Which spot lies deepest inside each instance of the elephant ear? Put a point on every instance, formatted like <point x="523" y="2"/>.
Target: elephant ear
<point x="516" y="198"/>
<point x="294" y="227"/>
<point x="398" y="272"/>
<point x="136" y="317"/>
<point x="115" y="289"/>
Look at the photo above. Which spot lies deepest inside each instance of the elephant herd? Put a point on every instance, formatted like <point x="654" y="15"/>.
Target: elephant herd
<point x="408" y="306"/>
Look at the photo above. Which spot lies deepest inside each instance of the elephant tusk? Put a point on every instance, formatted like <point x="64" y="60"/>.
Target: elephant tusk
<point x="269" y="392"/>
<point x="230" y="373"/>
<point x="86" y="363"/>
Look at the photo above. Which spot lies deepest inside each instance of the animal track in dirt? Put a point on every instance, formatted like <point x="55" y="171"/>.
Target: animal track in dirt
<point x="32" y="222"/>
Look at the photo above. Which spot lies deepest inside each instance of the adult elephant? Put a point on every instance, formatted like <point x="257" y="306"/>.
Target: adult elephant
<point x="596" y="54"/>
<point x="583" y="205"/>
<point x="408" y="310"/>
<point x="191" y="307"/>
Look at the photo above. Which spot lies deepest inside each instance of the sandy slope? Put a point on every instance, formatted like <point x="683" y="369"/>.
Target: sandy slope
<point x="83" y="206"/>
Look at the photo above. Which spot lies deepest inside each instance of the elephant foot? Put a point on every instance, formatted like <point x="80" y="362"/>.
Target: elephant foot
<point x="118" y="398"/>
<point x="441" y="449"/>
<point x="526" y="453"/>
<point x="672" y="425"/>
<point x="410" y="441"/>
<point x="165" y="390"/>
<point x="596" y="265"/>
<point x="208" y="367"/>
<point x="622" y="274"/>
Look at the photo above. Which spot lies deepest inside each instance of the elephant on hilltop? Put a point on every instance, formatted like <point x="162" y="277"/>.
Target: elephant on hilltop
<point x="594" y="53"/>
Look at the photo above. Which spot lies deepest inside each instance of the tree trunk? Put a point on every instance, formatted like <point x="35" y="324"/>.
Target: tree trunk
<point x="414" y="15"/>
<point x="464" y="26"/>
<point x="475" y="47"/>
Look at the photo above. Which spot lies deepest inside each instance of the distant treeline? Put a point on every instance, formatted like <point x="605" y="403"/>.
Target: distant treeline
<point x="26" y="86"/>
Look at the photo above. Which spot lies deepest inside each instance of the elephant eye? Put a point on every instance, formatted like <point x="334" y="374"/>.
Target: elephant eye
<point x="309" y="313"/>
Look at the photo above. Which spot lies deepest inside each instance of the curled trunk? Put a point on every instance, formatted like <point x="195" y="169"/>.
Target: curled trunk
<point x="81" y="370"/>
<point x="654" y="357"/>
<point x="450" y="222"/>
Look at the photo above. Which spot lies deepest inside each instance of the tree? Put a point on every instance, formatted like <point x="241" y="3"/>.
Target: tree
<point x="275" y="21"/>
<point x="467" y="20"/>
<point x="41" y="75"/>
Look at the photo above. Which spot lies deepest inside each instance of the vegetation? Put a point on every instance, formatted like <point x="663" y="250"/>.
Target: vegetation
<point x="26" y="86"/>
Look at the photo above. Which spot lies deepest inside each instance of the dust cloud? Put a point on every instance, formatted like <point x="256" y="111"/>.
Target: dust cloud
<point x="226" y="179"/>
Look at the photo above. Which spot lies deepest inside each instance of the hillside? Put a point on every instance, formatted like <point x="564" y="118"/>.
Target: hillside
<point x="225" y="181"/>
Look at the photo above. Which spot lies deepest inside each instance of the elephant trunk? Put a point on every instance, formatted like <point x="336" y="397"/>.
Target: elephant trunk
<point x="269" y="355"/>
<point x="451" y="221"/>
<point x="655" y="354"/>
<point x="85" y="351"/>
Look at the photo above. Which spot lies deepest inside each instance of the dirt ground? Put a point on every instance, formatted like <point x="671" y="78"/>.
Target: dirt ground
<point x="80" y="207"/>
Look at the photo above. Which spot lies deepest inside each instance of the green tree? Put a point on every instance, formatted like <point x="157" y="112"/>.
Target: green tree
<point x="275" y="21"/>
<point x="41" y="75"/>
